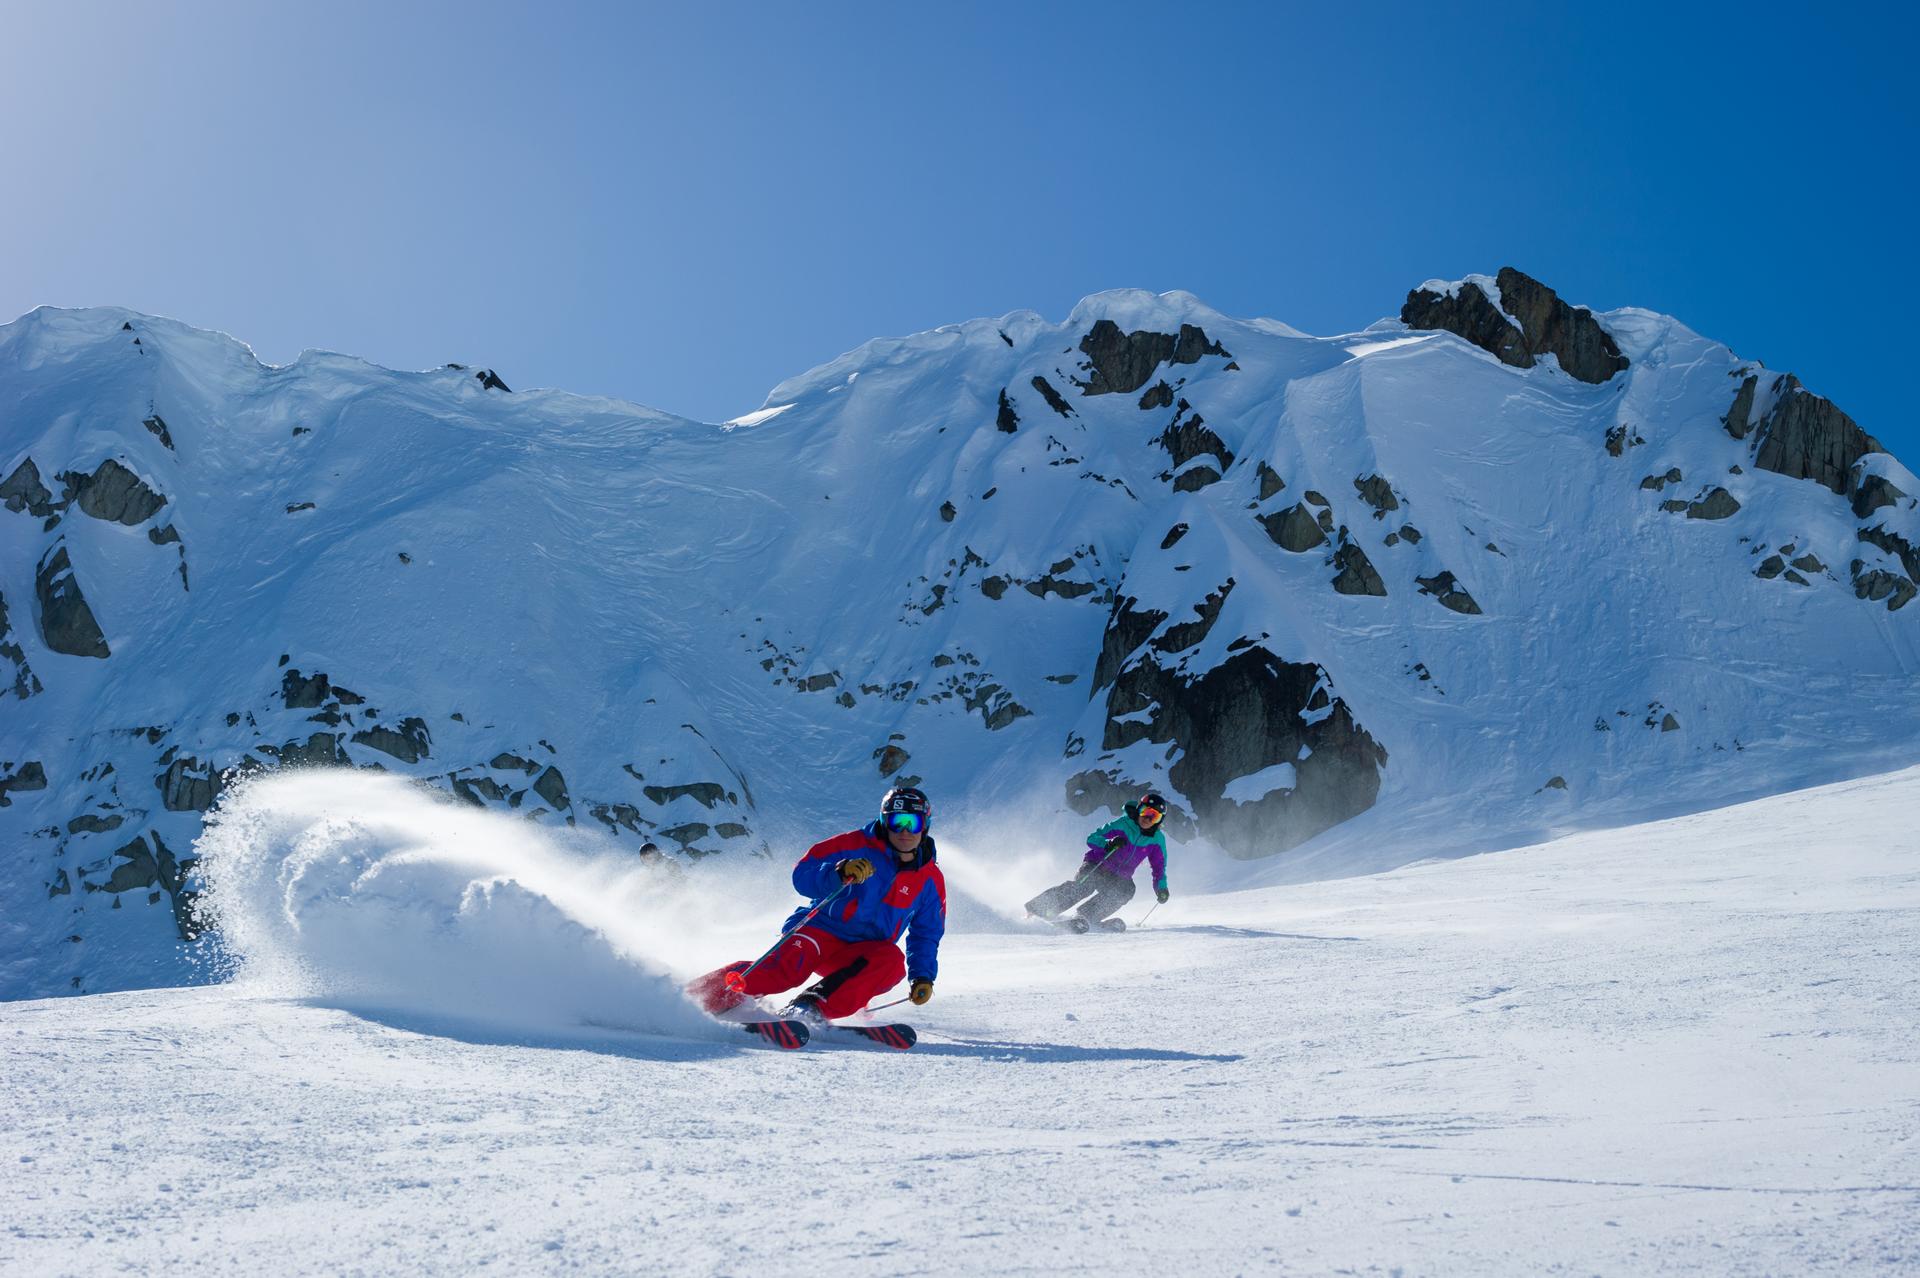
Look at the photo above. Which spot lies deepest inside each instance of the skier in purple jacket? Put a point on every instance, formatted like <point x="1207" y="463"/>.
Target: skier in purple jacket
<point x="1105" y="881"/>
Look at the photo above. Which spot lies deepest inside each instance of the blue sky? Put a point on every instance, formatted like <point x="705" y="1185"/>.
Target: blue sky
<point x="682" y="205"/>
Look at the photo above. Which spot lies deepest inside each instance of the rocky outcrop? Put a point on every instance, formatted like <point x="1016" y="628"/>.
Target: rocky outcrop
<point x="1877" y="584"/>
<point x="67" y="623"/>
<point x="113" y="493"/>
<point x="157" y="427"/>
<point x="410" y="743"/>
<point x="188" y="786"/>
<point x="23" y="491"/>
<point x="1894" y="544"/>
<point x="1159" y="395"/>
<point x="301" y="692"/>
<point x="16" y="677"/>
<point x="1357" y="575"/>
<point x="1294" y="529"/>
<point x="1007" y="419"/>
<point x="1377" y="493"/>
<point x="705" y="793"/>
<point x="1052" y="396"/>
<point x="30" y="775"/>
<point x="1449" y="592"/>
<point x="1186" y="438"/>
<point x="1873" y="492"/>
<point x="1801" y="436"/>
<point x="1250" y="712"/>
<point x="1528" y="321"/>
<point x="1128" y="627"/>
<point x="1718" y="504"/>
<point x="1123" y="362"/>
<point x="490" y="380"/>
<point x="552" y="786"/>
<point x="1186" y="634"/>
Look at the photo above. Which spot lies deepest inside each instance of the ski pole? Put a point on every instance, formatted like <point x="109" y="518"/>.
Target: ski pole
<point x="737" y="981"/>
<point x="897" y="1002"/>
<point x="1147" y="915"/>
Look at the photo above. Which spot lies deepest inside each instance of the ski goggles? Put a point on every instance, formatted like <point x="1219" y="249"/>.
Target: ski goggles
<point x="905" y="823"/>
<point x="1150" y="814"/>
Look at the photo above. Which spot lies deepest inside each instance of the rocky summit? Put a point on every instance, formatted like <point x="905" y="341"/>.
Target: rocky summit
<point x="1502" y="565"/>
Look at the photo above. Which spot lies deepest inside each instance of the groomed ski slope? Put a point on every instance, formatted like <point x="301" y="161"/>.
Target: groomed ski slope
<point x="1685" y="1047"/>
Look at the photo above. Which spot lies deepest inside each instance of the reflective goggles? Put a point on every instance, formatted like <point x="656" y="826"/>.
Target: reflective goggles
<point x="1151" y="815"/>
<point x="906" y="823"/>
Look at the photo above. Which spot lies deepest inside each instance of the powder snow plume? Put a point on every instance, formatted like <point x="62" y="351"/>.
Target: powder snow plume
<point x="369" y="891"/>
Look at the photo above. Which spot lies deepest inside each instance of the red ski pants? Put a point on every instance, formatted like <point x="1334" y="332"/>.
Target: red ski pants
<point x="854" y="972"/>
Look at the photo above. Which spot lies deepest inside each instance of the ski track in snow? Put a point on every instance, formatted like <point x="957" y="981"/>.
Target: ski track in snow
<point x="1684" y="1047"/>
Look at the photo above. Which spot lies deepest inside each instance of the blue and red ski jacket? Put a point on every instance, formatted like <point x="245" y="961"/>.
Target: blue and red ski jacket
<point x="895" y="899"/>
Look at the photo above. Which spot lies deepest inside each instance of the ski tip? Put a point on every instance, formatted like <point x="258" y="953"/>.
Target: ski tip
<point x="898" y="1037"/>
<point x="787" y="1035"/>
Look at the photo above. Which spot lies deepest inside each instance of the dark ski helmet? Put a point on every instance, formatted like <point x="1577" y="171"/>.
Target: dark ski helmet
<point x="1152" y="801"/>
<point x="906" y="810"/>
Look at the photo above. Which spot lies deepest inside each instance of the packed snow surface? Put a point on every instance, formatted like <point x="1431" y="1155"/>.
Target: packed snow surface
<point x="1679" y="1047"/>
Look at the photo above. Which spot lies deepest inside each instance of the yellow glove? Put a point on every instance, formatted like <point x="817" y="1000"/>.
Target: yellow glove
<point x="921" y="992"/>
<point x="858" y="870"/>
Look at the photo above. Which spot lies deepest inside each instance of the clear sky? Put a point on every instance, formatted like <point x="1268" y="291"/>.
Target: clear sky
<point x="682" y="205"/>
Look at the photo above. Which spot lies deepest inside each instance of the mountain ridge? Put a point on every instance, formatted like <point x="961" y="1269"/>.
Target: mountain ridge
<point x="1370" y="597"/>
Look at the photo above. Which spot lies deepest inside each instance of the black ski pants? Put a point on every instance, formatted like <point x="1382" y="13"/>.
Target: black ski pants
<point x="1098" y="893"/>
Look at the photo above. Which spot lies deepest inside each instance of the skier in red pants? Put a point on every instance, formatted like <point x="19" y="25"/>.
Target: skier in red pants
<point x="874" y="883"/>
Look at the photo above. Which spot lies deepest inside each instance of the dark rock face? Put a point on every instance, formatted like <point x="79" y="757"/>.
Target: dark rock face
<point x="891" y="759"/>
<point x="1620" y="438"/>
<point x="1246" y="714"/>
<point x="23" y="490"/>
<point x="1294" y="528"/>
<point x="301" y="693"/>
<point x="1357" y="575"/>
<point x="409" y="744"/>
<point x="1127" y="629"/>
<point x="137" y="871"/>
<point x="1159" y="395"/>
<point x="705" y="793"/>
<point x="88" y="823"/>
<point x="1894" y="544"/>
<point x="66" y="621"/>
<point x="1377" y="493"/>
<point x="319" y="750"/>
<point x="1880" y="584"/>
<point x="489" y="380"/>
<point x="1739" y="418"/>
<point x="1803" y="436"/>
<point x="1546" y="325"/>
<point x="552" y="786"/>
<point x="31" y="775"/>
<point x="1443" y="587"/>
<point x="1194" y="479"/>
<point x="1052" y="396"/>
<point x="1186" y="634"/>
<point x="1007" y="420"/>
<point x="1122" y="362"/>
<point x="1174" y="534"/>
<point x="188" y="786"/>
<point x="113" y="493"/>
<point x="158" y="429"/>
<point x="1873" y="492"/>
<point x="1269" y="480"/>
<point x="947" y="512"/>
<point x="1186" y="438"/>
<point x="1717" y="504"/>
<point x="24" y="683"/>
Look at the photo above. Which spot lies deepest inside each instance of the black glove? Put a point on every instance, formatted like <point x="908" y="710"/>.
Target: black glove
<point x="856" y="870"/>
<point x="920" y="992"/>
<point x="1160" y="893"/>
<point x="1114" y="840"/>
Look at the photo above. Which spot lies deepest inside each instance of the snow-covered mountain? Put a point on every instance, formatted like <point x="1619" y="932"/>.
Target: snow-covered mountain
<point x="1498" y="567"/>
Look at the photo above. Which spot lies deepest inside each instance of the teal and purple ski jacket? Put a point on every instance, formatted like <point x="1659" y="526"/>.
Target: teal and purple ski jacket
<point x="1134" y="847"/>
